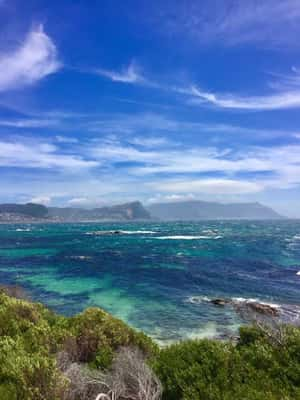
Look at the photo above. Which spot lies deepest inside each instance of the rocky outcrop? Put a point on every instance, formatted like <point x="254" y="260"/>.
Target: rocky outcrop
<point x="248" y="305"/>
<point x="264" y="309"/>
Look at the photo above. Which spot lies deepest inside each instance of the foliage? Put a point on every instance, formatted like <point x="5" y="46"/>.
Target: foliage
<point x="47" y="356"/>
<point x="254" y="369"/>
<point x="31" y="337"/>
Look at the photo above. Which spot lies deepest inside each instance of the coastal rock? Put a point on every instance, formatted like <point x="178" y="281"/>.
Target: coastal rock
<point x="219" y="302"/>
<point x="265" y="309"/>
<point x="252" y="306"/>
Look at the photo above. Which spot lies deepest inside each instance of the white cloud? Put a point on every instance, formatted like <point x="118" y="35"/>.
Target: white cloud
<point x="28" y="123"/>
<point x="149" y="141"/>
<point x="35" y="154"/>
<point x="160" y="198"/>
<point x="90" y="202"/>
<point x="281" y="100"/>
<point x="209" y="186"/>
<point x="277" y="166"/>
<point x="45" y="200"/>
<point x="268" y="23"/>
<point x="32" y="61"/>
<point x="130" y="74"/>
<point x="65" y="139"/>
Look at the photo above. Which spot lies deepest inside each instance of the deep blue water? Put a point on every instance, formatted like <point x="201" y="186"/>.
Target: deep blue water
<point x="147" y="274"/>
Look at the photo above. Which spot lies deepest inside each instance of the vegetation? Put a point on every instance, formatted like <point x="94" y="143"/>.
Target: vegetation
<point x="34" y="342"/>
<point x="256" y="368"/>
<point x="47" y="356"/>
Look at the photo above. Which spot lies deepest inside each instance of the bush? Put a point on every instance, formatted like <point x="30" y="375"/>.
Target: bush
<point x="38" y="347"/>
<point x="47" y="356"/>
<point x="258" y="368"/>
<point x="98" y="335"/>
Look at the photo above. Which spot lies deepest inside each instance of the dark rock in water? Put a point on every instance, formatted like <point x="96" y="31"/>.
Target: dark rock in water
<point x="219" y="302"/>
<point x="265" y="309"/>
<point x="116" y="232"/>
<point x="252" y="306"/>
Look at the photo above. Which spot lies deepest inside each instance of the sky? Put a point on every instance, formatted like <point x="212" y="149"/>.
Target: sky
<point x="104" y="102"/>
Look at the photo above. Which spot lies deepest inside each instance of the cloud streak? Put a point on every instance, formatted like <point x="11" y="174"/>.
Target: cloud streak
<point x="268" y="23"/>
<point x="130" y="74"/>
<point x="42" y="155"/>
<point x="33" y="60"/>
<point x="282" y="100"/>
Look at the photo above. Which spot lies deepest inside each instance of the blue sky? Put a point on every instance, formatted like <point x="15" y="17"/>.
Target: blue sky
<point x="106" y="102"/>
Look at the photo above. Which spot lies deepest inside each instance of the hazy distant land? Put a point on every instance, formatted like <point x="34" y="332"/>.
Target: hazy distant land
<point x="132" y="211"/>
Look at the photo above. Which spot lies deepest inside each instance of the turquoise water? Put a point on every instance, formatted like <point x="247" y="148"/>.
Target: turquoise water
<point x="148" y="273"/>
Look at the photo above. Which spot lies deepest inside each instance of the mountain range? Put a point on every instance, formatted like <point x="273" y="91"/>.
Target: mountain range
<point x="198" y="210"/>
<point x="187" y="210"/>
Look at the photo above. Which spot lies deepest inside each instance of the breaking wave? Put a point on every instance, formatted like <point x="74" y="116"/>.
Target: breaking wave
<point x="187" y="237"/>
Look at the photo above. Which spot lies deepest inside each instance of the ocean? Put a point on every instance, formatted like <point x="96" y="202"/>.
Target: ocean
<point x="158" y="277"/>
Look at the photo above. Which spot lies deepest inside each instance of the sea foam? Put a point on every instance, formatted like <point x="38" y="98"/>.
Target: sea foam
<point x="187" y="237"/>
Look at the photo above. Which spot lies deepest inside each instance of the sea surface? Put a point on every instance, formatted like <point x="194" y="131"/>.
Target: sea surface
<point x="158" y="277"/>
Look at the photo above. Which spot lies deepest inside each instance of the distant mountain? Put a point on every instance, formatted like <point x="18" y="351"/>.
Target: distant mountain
<point x="127" y="211"/>
<point x="199" y="210"/>
<point x="36" y="212"/>
<point x="29" y="210"/>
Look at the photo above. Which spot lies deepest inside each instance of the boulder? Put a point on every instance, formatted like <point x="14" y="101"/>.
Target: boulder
<point x="265" y="309"/>
<point x="219" y="302"/>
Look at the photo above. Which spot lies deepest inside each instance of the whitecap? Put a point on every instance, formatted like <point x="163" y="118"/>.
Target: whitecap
<point x="186" y="237"/>
<point x="236" y="300"/>
<point x="23" y="230"/>
<point x="254" y="300"/>
<point x="198" y="299"/>
<point x="298" y="273"/>
<point x="137" y="232"/>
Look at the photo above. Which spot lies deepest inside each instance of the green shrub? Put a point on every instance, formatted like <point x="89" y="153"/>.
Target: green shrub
<point x="97" y="332"/>
<point x="31" y="336"/>
<point x="258" y="368"/>
<point x="263" y="365"/>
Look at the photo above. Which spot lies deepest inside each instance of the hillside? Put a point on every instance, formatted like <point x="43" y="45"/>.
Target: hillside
<point x="199" y="210"/>
<point x="36" y="212"/>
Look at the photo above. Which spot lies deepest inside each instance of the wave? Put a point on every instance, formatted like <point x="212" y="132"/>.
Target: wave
<point x="254" y="300"/>
<point x="298" y="273"/>
<point x="23" y="230"/>
<point x="137" y="232"/>
<point x="198" y="299"/>
<point x="232" y="300"/>
<point x="187" y="237"/>
<point x="80" y="257"/>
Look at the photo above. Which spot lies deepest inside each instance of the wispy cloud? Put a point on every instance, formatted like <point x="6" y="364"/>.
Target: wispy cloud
<point x="28" y="123"/>
<point x="30" y="62"/>
<point x="162" y="198"/>
<point x="129" y="74"/>
<point x="281" y="100"/>
<point x="24" y="153"/>
<point x="209" y="186"/>
<point x="285" y="94"/>
<point x="149" y="128"/>
<point x="161" y="170"/>
<point x="268" y="23"/>
<point x="269" y="167"/>
<point x="66" y="139"/>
